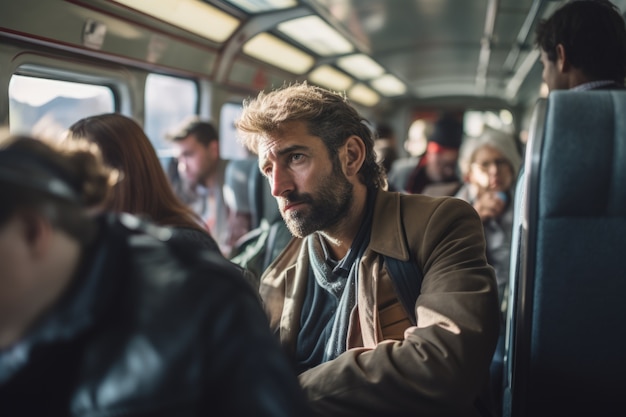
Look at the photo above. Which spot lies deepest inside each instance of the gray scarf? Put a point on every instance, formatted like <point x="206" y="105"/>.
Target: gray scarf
<point x="344" y="288"/>
<point x="341" y="281"/>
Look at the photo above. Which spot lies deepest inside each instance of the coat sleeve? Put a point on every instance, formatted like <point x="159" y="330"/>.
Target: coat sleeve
<point x="246" y="372"/>
<point x="442" y="364"/>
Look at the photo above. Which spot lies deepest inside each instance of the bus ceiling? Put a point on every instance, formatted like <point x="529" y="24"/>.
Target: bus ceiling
<point x="378" y="52"/>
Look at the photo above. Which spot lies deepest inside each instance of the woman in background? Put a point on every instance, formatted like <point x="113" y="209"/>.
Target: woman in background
<point x="489" y="165"/>
<point x="143" y="189"/>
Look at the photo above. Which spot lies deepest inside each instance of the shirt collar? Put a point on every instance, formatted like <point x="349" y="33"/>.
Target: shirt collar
<point x="592" y="85"/>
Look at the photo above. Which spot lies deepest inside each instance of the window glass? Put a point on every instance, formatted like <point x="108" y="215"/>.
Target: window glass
<point x="45" y="107"/>
<point x="230" y="147"/>
<point x="475" y="121"/>
<point x="169" y="102"/>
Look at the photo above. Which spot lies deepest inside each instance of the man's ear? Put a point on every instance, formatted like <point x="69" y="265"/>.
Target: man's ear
<point x="562" y="61"/>
<point x="37" y="233"/>
<point x="214" y="148"/>
<point x="355" y="154"/>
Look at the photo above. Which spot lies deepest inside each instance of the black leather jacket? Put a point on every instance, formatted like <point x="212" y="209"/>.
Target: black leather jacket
<point x="150" y="328"/>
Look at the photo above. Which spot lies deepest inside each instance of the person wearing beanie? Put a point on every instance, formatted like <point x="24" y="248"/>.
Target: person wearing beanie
<point x="436" y="174"/>
<point x="489" y="165"/>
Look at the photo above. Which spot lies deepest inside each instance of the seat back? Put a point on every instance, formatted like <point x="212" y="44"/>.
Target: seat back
<point x="565" y="352"/>
<point x="265" y="203"/>
<point x="246" y="191"/>
<point x="236" y="188"/>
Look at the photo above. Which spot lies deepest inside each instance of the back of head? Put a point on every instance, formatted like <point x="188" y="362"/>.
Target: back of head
<point x="203" y="131"/>
<point x="144" y="188"/>
<point x="61" y="185"/>
<point x="327" y="114"/>
<point x="593" y="34"/>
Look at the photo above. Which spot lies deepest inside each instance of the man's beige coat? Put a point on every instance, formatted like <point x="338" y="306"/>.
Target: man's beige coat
<point x="436" y="368"/>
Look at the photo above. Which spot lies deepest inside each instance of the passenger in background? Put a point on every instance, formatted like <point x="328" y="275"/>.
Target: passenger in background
<point x="385" y="146"/>
<point x="583" y="46"/>
<point x="489" y="165"/>
<point x="143" y="188"/>
<point x="100" y="317"/>
<point x="330" y="295"/>
<point x="435" y="174"/>
<point x="203" y="171"/>
<point x="415" y="144"/>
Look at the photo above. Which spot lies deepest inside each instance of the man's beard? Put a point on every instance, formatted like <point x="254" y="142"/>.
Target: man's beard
<point x="324" y="209"/>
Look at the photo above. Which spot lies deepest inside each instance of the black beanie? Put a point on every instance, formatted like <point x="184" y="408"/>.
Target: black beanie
<point x="448" y="132"/>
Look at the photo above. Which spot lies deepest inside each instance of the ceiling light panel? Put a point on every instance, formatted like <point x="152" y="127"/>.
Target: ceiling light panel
<point x="329" y="77"/>
<point x="317" y="35"/>
<point x="363" y="95"/>
<point x="274" y="51"/>
<point x="193" y="15"/>
<point x="257" y="6"/>
<point x="389" y="85"/>
<point x="361" y="66"/>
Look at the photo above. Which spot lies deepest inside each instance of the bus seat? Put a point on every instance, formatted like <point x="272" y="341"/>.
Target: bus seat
<point x="247" y="191"/>
<point x="266" y="207"/>
<point x="565" y="341"/>
<point x="236" y="178"/>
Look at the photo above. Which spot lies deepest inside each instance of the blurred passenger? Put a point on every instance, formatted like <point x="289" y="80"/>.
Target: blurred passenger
<point x="330" y="294"/>
<point x="583" y="46"/>
<point x="143" y="189"/>
<point x="203" y="171"/>
<point x="436" y="172"/>
<point x="489" y="165"/>
<point x="417" y="137"/>
<point x="415" y="144"/>
<point x="100" y="316"/>
<point x="385" y="146"/>
<point x="179" y="184"/>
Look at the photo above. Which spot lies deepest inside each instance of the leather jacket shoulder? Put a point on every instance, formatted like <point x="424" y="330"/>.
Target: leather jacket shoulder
<point x="152" y="327"/>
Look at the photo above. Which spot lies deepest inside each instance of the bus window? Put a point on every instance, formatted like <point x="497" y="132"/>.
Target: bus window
<point x="475" y="121"/>
<point x="169" y="101"/>
<point x="230" y="147"/>
<point x="46" y="108"/>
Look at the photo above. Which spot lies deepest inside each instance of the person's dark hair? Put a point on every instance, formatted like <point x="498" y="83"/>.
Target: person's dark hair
<point x="328" y="115"/>
<point x="384" y="131"/>
<point x="144" y="188"/>
<point x="593" y="34"/>
<point x="447" y="131"/>
<point x="203" y="131"/>
<point x="58" y="184"/>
